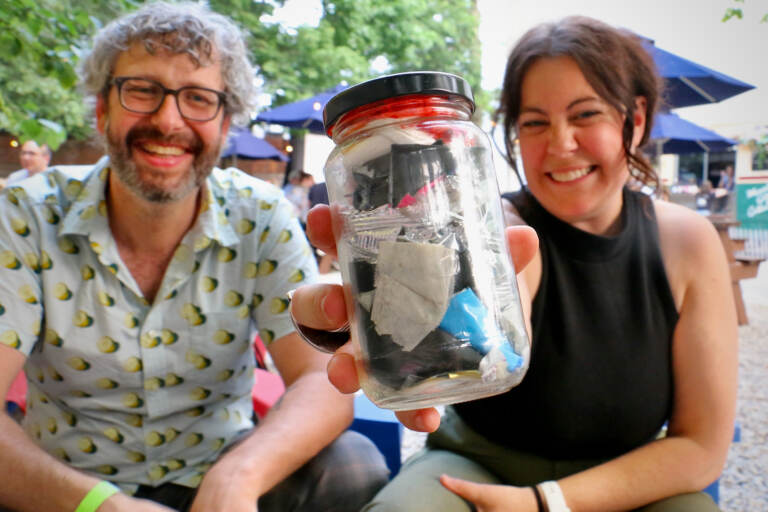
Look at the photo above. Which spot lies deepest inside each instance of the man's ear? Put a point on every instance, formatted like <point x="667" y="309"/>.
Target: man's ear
<point x="101" y="114"/>
<point x="638" y="121"/>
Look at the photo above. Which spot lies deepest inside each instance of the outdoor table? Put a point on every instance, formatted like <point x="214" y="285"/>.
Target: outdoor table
<point x="741" y="267"/>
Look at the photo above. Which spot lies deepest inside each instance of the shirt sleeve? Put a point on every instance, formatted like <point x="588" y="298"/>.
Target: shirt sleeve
<point x="286" y="262"/>
<point x="21" y="262"/>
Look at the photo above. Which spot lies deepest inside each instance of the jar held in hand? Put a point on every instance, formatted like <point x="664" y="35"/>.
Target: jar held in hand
<point x="419" y="229"/>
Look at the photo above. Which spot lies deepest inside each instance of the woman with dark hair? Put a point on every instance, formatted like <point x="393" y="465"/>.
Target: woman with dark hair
<point x="629" y="400"/>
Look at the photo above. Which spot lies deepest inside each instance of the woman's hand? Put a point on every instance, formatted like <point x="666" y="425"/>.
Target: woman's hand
<point x="321" y="306"/>
<point x="492" y="498"/>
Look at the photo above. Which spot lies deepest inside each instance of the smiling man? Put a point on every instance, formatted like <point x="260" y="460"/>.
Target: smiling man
<point x="129" y="296"/>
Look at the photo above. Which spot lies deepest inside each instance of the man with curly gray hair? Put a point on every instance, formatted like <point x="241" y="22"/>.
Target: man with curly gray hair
<point x="129" y="294"/>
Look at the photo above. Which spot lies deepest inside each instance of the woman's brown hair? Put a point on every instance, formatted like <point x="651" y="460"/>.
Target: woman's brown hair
<point x="612" y="60"/>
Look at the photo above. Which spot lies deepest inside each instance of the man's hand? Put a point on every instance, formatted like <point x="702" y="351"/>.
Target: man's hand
<point x="492" y="498"/>
<point x="322" y="307"/>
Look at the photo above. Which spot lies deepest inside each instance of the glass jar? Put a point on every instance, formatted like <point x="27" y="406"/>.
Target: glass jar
<point x="430" y="287"/>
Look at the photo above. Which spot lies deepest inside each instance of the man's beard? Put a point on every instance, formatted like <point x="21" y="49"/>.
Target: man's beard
<point x="125" y="168"/>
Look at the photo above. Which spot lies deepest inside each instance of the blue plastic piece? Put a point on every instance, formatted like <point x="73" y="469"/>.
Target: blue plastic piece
<point x="466" y="319"/>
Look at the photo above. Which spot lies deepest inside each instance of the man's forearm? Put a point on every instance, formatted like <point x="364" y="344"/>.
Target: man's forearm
<point x="309" y="416"/>
<point x="27" y="469"/>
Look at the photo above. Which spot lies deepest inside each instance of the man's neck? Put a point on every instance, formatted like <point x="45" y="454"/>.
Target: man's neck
<point x="147" y="234"/>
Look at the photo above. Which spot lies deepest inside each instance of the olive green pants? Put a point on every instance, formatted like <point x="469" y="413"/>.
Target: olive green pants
<point x="457" y="450"/>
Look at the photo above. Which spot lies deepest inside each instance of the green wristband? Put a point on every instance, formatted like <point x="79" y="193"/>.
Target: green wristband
<point x="96" y="496"/>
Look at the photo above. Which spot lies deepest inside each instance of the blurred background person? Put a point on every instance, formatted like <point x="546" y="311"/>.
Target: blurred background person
<point x="34" y="159"/>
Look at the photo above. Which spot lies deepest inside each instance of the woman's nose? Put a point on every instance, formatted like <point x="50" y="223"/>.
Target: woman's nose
<point x="562" y="139"/>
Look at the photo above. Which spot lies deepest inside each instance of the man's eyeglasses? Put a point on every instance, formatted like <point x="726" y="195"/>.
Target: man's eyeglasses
<point x="144" y="96"/>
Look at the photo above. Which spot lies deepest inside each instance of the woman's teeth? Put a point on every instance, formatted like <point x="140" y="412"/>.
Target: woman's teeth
<point x="570" y="175"/>
<point x="163" y="150"/>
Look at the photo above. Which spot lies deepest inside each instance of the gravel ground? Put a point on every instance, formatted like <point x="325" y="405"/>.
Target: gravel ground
<point x="744" y="483"/>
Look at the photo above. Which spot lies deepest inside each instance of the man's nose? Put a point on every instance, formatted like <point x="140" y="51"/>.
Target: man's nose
<point x="168" y="118"/>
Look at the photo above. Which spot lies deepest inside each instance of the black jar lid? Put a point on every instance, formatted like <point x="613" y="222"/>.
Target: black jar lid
<point x="390" y="86"/>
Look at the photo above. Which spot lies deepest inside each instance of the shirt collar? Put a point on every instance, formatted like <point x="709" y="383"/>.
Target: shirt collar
<point x="88" y="212"/>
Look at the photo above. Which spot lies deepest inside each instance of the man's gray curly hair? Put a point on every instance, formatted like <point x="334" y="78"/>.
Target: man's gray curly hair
<point x="181" y="28"/>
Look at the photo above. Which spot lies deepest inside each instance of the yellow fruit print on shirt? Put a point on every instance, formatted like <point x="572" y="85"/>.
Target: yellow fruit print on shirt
<point x="264" y="205"/>
<point x="168" y="337"/>
<point x="86" y="445"/>
<point x="69" y="418"/>
<point x="132" y="364"/>
<point x="105" y="383"/>
<point x="82" y="319"/>
<point x="197" y="360"/>
<point x="61" y="291"/>
<point x="55" y="376"/>
<point x="107" y="345"/>
<point x="297" y="276"/>
<point x="266" y="267"/>
<point x="225" y="375"/>
<point x="171" y="379"/>
<point x="176" y="464"/>
<point x="135" y="420"/>
<point x="88" y="213"/>
<point x="2" y="310"/>
<point x="278" y="305"/>
<point x="136" y="457"/>
<point x="51" y="217"/>
<point x="192" y="314"/>
<point x="130" y="321"/>
<point x="233" y="298"/>
<point x="19" y="226"/>
<point x="154" y="383"/>
<point x="105" y="299"/>
<point x="199" y="393"/>
<point x="73" y="188"/>
<point x="257" y="300"/>
<point x="171" y="433"/>
<point x="285" y="236"/>
<point x="132" y="400"/>
<point x="148" y="340"/>
<point x="10" y="338"/>
<point x="67" y="246"/>
<point x="157" y="472"/>
<point x="46" y="263"/>
<point x="209" y="284"/>
<point x="8" y="260"/>
<point x="106" y="469"/>
<point x="226" y="254"/>
<point x="251" y="270"/>
<point x="97" y="248"/>
<point x="195" y="412"/>
<point x="87" y="272"/>
<point x="114" y="435"/>
<point x="63" y="455"/>
<point x="52" y="426"/>
<point x="78" y="363"/>
<point x="154" y="438"/>
<point x="32" y="262"/>
<point x="267" y="336"/>
<point x="264" y="235"/>
<point x="223" y="337"/>
<point x="27" y="294"/>
<point x="245" y="226"/>
<point x="193" y="439"/>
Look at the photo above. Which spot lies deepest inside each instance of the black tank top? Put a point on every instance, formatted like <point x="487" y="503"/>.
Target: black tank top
<point x="600" y="376"/>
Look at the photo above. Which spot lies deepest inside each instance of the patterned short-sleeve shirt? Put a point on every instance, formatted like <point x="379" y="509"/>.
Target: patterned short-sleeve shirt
<point x="143" y="393"/>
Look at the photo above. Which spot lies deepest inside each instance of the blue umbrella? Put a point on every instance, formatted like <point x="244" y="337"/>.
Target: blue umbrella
<point x="674" y="134"/>
<point x="306" y="113"/>
<point x="689" y="83"/>
<point x="243" y="144"/>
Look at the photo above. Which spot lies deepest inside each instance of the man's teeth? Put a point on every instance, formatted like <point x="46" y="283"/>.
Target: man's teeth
<point x="163" y="150"/>
<point x="570" y="175"/>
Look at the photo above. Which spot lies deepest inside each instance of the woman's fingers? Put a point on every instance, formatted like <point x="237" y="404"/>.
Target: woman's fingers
<point x="319" y="306"/>
<point x="319" y="229"/>
<point x="420" y="420"/>
<point x="342" y="372"/>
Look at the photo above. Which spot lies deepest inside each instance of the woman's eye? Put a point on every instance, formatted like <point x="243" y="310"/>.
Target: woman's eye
<point x="587" y="114"/>
<point x="533" y="123"/>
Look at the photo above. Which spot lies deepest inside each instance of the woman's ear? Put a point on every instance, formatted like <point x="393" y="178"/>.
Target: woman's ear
<point x="638" y="121"/>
